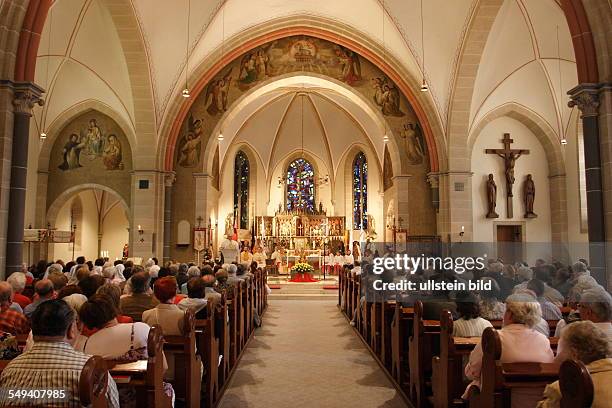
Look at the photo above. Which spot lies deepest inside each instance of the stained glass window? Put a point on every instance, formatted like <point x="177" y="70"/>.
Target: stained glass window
<point x="360" y="192"/>
<point x="241" y="190"/>
<point x="300" y="186"/>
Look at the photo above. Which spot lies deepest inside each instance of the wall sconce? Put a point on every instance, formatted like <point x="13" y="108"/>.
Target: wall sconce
<point x="461" y="234"/>
<point x="141" y="233"/>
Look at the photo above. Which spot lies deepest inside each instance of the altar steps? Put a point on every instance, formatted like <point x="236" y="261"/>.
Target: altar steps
<point x="303" y="291"/>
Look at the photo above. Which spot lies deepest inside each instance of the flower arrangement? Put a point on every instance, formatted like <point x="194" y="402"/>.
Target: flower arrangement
<point x="302" y="267"/>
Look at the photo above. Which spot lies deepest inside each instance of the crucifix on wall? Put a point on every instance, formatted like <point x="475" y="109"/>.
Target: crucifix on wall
<point x="510" y="156"/>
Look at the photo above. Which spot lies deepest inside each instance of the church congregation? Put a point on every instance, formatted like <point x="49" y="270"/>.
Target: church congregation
<point x="306" y="203"/>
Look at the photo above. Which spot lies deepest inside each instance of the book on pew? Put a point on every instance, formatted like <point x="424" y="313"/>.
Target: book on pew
<point x="122" y="379"/>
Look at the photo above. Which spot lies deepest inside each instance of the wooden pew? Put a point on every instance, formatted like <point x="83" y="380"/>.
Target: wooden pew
<point x="576" y="385"/>
<point x="187" y="380"/>
<point x="387" y="310"/>
<point x="233" y="307"/>
<point x="224" y="342"/>
<point x="208" y="348"/>
<point x="145" y="376"/>
<point x="447" y="368"/>
<point x="241" y="324"/>
<point x="93" y="383"/>
<point x="374" y="327"/>
<point x="401" y="329"/>
<point x="498" y="379"/>
<point x="423" y="345"/>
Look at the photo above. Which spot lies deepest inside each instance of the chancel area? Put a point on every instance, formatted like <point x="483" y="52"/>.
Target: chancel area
<point x="306" y="203"/>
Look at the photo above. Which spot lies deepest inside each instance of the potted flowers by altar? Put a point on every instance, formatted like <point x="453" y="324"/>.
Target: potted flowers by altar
<point x="302" y="272"/>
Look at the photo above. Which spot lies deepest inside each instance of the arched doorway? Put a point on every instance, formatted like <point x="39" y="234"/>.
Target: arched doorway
<point x="98" y="218"/>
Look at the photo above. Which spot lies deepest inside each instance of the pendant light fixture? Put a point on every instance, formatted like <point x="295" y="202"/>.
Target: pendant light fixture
<point x="186" y="93"/>
<point x="220" y="135"/>
<point x="43" y="132"/>
<point x="385" y="136"/>
<point x="563" y="139"/>
<point x="424" y="87"/>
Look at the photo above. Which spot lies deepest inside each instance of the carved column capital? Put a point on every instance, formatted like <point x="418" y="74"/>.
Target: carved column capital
<point x="169" y="178"/>
<point x="586" y="98"/>
<point x="433" y="179"/>
<point x="27" y="95"/>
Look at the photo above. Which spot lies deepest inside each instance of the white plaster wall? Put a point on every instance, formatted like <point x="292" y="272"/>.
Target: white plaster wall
<point x="115" y="233"/>
<point x="89" y="230"/>
<point x="536" y="230"/>
<point x="577" y="238"/>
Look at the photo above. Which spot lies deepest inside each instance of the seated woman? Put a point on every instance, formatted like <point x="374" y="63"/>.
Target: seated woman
<point x="469" y="324"/>
<point x="166" y="314"/>
<point x="520" y="343"/>
<point x="490" y="306"/>
<point x="585" y="342"/>
<point x="111" y="340"/>
<point x="123" y="342"/>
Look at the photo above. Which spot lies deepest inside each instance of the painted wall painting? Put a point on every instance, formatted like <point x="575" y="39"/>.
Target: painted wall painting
<point x="387" y="96"/>
<point x="190" y="144"/>
<point x="91" y="144"/>
<point x="414" y="143"/>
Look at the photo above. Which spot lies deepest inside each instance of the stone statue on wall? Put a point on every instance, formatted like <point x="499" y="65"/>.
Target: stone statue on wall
<point x="529" y="196"/>
<point x="491" y="197"/>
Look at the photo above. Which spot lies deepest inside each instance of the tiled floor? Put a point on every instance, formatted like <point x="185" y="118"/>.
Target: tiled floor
<point x="307" y="355"/>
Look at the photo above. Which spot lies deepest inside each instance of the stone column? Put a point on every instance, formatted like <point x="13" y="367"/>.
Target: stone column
<point x="455" y="206"/>
<point x="586" y="98"/>
<point x="402" y="209"/>
<point x="26" y="95"/>
<point x="168" y="182"/>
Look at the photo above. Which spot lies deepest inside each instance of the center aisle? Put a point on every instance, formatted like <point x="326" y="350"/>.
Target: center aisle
<point x="307" y="355"/>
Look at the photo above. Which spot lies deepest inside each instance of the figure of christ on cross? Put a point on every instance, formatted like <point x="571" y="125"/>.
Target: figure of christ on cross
<point x="510" y="156"/>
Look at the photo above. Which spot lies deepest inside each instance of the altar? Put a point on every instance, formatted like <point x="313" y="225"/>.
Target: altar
<point x="313" y="233"/>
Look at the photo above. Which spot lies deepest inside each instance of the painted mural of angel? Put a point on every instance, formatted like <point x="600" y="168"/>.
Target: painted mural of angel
<point x="414" y="146"/>
<point x="350" y="65"/>
<point x="387" y="96"/>
<point x="216" y="94"/>
<point x="191" y="143"/>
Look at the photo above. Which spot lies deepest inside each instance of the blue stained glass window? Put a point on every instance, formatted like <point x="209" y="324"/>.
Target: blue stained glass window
<point x="300" y="186"/>
<point x="241" y="190"/>
<point x="360" y="192"/>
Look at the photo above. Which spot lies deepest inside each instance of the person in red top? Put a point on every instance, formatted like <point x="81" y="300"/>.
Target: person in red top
<point x="17" y="280"/>
<point x="11" y="321"/>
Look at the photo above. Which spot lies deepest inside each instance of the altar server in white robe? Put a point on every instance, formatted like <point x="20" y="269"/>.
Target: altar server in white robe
<point x="329" y="262"/>
<point x="348" y="258"/>
<point x="260" y="257"/>
<point x="277" y="257"/>
<point x="338" y="262"/>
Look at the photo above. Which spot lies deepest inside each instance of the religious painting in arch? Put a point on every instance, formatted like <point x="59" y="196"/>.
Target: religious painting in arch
<point x="91" y="149"/>
<point x="360" y="192"/>
<point x="300" y="191"/>
<point x="190" y="144"/>
<point x="414" y="143"/>
<point x="91" y="143"/>
<point x="241" y="189"/>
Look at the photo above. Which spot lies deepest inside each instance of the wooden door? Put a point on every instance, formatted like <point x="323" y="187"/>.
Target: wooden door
<point x="509" y="238"/>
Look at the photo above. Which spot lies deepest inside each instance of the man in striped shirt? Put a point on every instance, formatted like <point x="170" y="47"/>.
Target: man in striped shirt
<point x="52" y="367"/>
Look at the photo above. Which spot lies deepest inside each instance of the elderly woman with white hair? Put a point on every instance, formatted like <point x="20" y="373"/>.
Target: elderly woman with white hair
<point x="585" y="342"/>
<point x="17" y="280"/>
<point x="192" y="272"/>
<point x="596" y="306"/>
<point x="520" y="343"/>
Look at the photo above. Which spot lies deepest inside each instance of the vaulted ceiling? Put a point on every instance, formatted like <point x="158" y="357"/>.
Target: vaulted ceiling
<point x="87" y="53"/>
